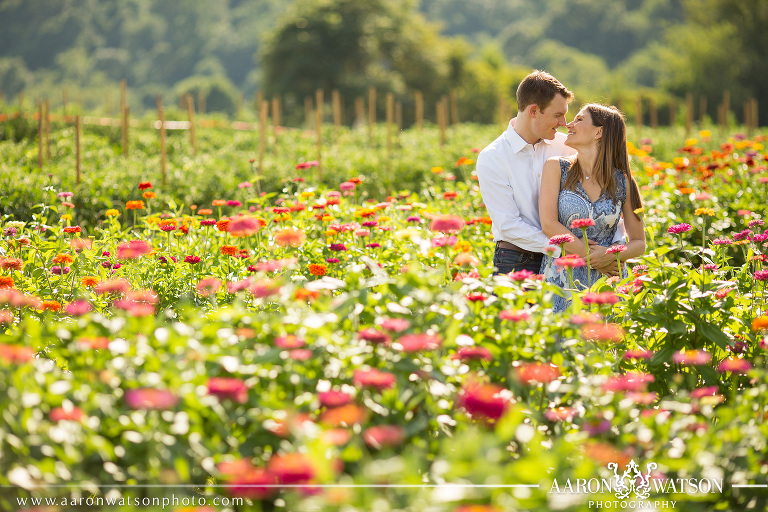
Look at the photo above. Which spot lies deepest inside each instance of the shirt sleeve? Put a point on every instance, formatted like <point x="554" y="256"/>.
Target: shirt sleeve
<point x="499" y="199"/>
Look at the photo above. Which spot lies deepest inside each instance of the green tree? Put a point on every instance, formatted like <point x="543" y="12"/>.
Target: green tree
<point x="350" y="45"/>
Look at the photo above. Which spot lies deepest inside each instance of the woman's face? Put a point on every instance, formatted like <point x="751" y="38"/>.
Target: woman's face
<point x="582" y="131"/>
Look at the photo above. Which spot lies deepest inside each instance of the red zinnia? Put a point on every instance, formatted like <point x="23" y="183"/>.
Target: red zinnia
<point x="228" y="388"/>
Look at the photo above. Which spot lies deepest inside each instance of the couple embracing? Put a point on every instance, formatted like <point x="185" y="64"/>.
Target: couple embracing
<point x="535" y="181"/>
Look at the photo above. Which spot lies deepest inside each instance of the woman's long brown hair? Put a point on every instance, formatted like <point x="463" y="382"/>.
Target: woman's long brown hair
<point x="611" y="154"/>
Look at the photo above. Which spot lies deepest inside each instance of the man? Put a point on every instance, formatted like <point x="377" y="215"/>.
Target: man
<point x="509" y="172"/>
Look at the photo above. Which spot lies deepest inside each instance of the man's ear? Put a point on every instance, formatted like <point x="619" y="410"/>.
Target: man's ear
<point x="532" y="110"/>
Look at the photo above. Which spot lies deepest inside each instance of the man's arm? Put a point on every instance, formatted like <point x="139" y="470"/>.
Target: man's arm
<point x="499" y="199"/>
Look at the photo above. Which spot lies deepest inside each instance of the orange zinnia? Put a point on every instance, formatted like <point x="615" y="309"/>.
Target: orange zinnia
<point x="134" y="205"/>
<point x="51" y="305"/>
<point x="65" y="259"/>
<point x="89" y="281"/>
<point x="223" y="225"/>
<point x="228" y="250"/>
<point x="318" y="269"/>
<point x="6" y="282"/>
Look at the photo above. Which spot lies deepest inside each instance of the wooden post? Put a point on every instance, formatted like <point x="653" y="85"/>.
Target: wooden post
<point x="371" y="112"/>
<point x="419" y="110"/>
<point x="399" y="117"/>
<point x="319" y="101"/>
<point x="747" y="116"/>
<point x="440" y="113"/>
<point x="123" y="95"/>
<point x="359" y="111"/>
<point x="40" y="134"/>
<point x="336" y="98"/>
<point x="161" y="117"/>
<point x="755" y="117"/>
<point x="654" y="113"/>
<point x="20" y="98"/>
<point x="77" y="149"/>
<point x="307" y="113"/>
<point x="672" y="111"/>
<point x="454" y="108"/>
<point x="726" y="104"/>
<point x="191" y="114"/>
<point x="390" y="120"/>
<point x="125" y="131"/>
<point x="688" y="112"/>
<point x="201" y="101"/>
<point x="702" y="110"/>
<point x="263" y="112"/>
<point x="47" y="121"/>
<point x="639" y="112"/>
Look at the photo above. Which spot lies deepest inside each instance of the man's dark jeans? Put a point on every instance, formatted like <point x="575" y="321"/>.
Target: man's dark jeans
<point x="510" y="260"/>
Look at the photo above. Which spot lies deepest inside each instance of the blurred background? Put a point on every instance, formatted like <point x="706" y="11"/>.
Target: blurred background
<point x="228" y="53"/>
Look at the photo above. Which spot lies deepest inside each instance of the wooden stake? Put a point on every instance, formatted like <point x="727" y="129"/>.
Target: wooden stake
<point x="161" y="117"/>
<point x="359" y="111"/>
<point x="398" y="117"/>
<point x="747" y="116"/>
<point x="201" y="101"/>
<point x="319" y="128"/>
<point x="440" y="113"/>
<point x="123" y="95"/>
<point x="454" y="108"/>
<point x="688" y="112"/>
<point x="390" y="120"/>
<point x="125" y="131"/>
<point x="702" y="110"/>
<point x="40" y="134"/>
<point x="308" y="113"/>
<point x="371" y="112"/>
<point x="639" y="112"/>
<point x="77" y="149"/>
<point x="755" y="117"/>
<point x="47" y="121"/>
<point x="263" y="112"/>
<point x="191" y="115"/>
<point x="654" y="113"/>
<point x="672" y="111"/>
<point x="336" y="99"/>
<point x="419" y="109"/>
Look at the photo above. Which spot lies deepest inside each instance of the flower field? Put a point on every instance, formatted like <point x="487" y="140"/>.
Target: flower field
<point x="327" y="335"/>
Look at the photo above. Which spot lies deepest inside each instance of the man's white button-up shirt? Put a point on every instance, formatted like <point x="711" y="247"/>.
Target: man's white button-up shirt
<point x="509" y="174"/>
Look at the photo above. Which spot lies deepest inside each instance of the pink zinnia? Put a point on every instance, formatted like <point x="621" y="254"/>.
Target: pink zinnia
<point x="600" y="298"/>
<point x="333" y="398"/>
<point x="395" y="324"/>
<point x="562" y="239"/>
<point x="208" y="286"/>
<point x="761" y="275"/>
<point x="615" y="249"/>
<point x="133" y="249"/>
<point x="631" y="381"/>
<point x="447" y="223"/>
<point x="692" y="357"/>
<point x="570" y="261"/>
<point x="472" y="353"/>
<point x="374" y="378"/>
<point x="537" y="373"/>
<point x="150" y="398"/>
<point x="373" y="335"/>
<point x="582" y="223"/>
<point x="735" y="365"/>
<point x="520" y="275"/>
<point x="514" y="316"/>
<point x="442" y="241"/>
<point x="679" y="228"/>
<point x="638" y="354"/>
<point x="70" y="414"/>
<point x="705" y="391"/>
<point x="347" y="186"/>
<point x="291" y="468"/>
<point x="603" y="332"/>
<point x="418" y="342"/>
<point x="228" y="388"/>
<point x="289" y="341"/>
<point x="244" y="226"/>
<point x="192" y="259"/>
<point x="119" y="285"/>
<point x="78" y="308"/>
<point x="487" y="401"/>
<point x="382" y="436"/>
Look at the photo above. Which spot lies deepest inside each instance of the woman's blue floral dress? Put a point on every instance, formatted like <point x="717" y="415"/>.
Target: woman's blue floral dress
<point x="575" y="204"/>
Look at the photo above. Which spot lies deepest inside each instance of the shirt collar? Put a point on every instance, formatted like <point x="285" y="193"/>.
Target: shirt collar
<point x="517" y="142"/>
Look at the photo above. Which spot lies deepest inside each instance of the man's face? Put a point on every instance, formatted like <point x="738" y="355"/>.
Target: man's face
<point x="547" y="121"/>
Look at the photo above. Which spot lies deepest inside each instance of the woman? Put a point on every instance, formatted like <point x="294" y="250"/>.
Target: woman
<point x="596" y="183"/>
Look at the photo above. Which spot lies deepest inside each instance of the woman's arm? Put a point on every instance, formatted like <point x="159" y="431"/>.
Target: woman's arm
<point x="548" y="214"/>
<point x="635" y="230"/>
